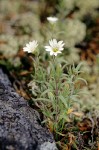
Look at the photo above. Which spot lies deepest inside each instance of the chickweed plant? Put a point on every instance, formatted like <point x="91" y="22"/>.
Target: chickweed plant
<point x="55" y="85"/>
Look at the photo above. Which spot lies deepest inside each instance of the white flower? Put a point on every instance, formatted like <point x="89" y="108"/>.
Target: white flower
<point x="31" y="47"/>
<point x="54" y="47"/>
<point x="52" y="19"/>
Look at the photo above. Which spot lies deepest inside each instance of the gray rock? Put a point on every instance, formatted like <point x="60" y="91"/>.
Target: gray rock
<point x="48" y="146"/>
<point x="19" y="124"/>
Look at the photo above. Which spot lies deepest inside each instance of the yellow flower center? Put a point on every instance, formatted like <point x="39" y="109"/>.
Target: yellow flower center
<point x="55" y="49"/>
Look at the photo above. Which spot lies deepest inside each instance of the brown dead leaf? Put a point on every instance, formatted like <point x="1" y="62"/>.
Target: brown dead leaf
<point x="98" y="145"/>
<point x="23" y="93"/>
<point x="70" y="111"/>
<point x="2" y="57"/>
<point x="78" y="114"/>
<point x="85" y="125"/>
<point x="61" y="134"/>
<point x="71" y="138"/>
<point x="3" y="42"/>
<point x="23" y="73"/>
<point x="21" y="53"/>
<point x="19" y="89"/>
<point x="64" y="146"/>
<point x="50" y="125"/>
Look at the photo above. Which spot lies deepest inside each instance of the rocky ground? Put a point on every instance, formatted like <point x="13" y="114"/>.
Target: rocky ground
<point x="20" y="127"/>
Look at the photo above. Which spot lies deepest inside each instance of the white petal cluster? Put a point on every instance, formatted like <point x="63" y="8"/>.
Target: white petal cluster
<point x="55" y="47"/>
<point x="30" y="47"/>
<point x="52" y="19"/>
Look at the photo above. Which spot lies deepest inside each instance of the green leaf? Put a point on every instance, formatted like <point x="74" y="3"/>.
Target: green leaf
<point x="45" y="92"/>
<point x="51" y="96"/>
<point x="63" y="100"/>
<point x="79" y="66"/>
